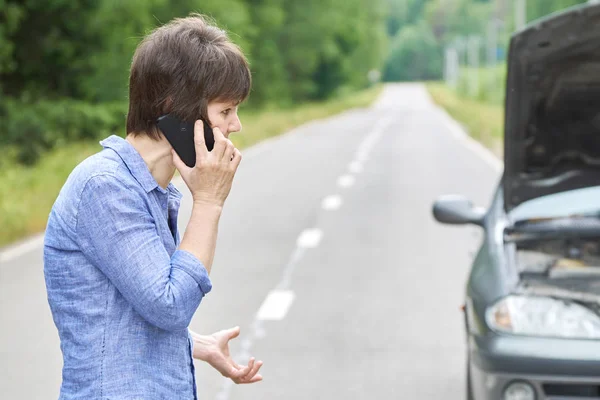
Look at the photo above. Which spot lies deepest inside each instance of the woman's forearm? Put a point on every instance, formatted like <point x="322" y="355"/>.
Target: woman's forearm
<point x="200" y="237"/>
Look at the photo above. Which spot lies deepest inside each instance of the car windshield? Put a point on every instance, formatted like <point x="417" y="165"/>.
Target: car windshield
<point x="559" y="205"/>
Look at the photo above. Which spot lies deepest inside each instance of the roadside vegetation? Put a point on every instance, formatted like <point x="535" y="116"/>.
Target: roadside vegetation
<point x="32" y="189"/>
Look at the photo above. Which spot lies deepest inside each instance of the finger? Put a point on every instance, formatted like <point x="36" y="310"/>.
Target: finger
<point x="236" y="159"/>
<point x="229" y="150"/>
<point x="233" y="332"/>
<point x="230" y="370"/>
<point x="249" y="368"/>
<point x="252" y="377"/>
<point x="239" y="371"/>
<point x="251" y="364"/>
<point x="243" y="371"/>
<point x="255" y="379"/>
<point x="254" y="370"/>
<point x="180" y="165"/>
<point x="220" y="142"/>
<point x="199" y="142"/>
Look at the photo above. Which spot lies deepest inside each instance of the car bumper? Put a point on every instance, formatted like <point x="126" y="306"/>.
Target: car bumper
<point x="557" y="369"/>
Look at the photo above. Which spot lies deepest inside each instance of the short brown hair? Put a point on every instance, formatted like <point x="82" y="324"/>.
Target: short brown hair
<point x="179" y="68"/>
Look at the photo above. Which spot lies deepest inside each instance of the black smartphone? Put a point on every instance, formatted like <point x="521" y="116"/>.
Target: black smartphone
<point x="181" y="136"/>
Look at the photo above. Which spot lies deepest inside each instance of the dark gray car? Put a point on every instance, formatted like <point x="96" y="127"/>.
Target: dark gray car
<point x="532" y="306"/>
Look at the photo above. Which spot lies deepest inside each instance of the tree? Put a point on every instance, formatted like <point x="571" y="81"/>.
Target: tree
<point x="414" y="55"/>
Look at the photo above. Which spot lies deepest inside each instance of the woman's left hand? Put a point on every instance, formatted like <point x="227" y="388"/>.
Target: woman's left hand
<point x="214" y="349"/>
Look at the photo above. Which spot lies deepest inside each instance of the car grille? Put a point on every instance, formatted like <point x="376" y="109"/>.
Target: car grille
<point x="558" y="391"/>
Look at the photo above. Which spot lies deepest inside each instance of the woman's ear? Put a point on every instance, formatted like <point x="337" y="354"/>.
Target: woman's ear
<point x="167" y="105"/>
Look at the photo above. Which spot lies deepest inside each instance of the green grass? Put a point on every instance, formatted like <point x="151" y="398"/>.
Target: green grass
<point x="491" y="84"/>
<point x="483" y="121"/>
<point x="269" y="123"/>
<point x="29" y="192"/>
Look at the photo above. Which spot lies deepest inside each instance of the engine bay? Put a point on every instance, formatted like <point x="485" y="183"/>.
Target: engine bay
<point x="556" y="258"/>
<point x="560" y="268"/>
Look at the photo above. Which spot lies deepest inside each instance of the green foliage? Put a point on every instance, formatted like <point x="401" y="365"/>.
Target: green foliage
<point x="421" y="28"/>
<point x="403" y="12"/>
<point x="492" y="80"/>
<point x="449" y="19"/>
<point x="108" y="75"/>
<point x="491" y="87"/>
<point x="410" y="24"/>
<point x="63" y="62"/>
<point x="341" y="46"/>
<point x="10" y="17"/>
<point x="44" y="56"/>
<point x="34" y="128"/>
<point x="414" y="55"/>
<point x="539" y="9"/>
<point x="270" y="79"/>
<point x="33" y="189"/>
<point x="298" y="50"/>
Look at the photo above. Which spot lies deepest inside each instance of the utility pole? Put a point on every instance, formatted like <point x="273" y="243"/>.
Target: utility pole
<point x="492" y="42"/>
<point x="493" y="34"/>
<point x="492" y="45"/>
<point x="473" y="56"/>
<point x="451" y="67"/>
<point x="460" y="45"/>
<point x="520" y="14"/>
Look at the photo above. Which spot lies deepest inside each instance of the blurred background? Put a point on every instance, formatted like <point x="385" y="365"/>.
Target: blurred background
<point x="321" y="70"/>
<point x="64" y="70"/>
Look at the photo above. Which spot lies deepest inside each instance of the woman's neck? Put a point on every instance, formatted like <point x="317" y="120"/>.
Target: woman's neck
<point x="156" y="155"/>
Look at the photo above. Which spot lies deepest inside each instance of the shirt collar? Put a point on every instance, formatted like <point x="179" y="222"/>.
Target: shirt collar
<point x="136" y="165"/>
<point x="176" y="194"/>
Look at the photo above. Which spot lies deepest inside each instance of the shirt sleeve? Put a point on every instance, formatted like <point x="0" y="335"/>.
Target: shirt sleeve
<point x="117" y="233"/>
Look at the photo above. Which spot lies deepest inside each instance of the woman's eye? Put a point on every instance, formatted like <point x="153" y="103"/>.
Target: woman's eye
<point x="226" y="112"/>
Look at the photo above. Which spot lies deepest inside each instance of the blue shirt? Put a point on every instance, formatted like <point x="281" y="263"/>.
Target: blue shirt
<point x="121" y="292"/>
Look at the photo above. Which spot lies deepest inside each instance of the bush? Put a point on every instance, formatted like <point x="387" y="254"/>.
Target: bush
<point x="491" y="87"/>
<point x="30" y="129"/>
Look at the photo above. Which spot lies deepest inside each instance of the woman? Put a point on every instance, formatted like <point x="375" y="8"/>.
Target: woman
<point x="122" y="286"/>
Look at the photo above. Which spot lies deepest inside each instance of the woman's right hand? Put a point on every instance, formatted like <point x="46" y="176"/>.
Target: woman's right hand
<point x="210" y="179"/>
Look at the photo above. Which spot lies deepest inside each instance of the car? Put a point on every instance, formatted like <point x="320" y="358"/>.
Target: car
<point x="532" y="298"/>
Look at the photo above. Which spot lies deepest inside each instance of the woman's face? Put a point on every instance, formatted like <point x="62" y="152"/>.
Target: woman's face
<point x="224" y="116"/>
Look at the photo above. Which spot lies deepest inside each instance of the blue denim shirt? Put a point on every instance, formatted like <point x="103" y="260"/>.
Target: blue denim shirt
<point x="121" y="293"/>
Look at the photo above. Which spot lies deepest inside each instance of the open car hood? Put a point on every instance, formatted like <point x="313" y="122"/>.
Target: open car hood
<point x="552" y="108"/>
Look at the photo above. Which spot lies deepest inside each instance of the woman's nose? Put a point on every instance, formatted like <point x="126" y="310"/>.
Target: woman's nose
<point x="236" y="125"/>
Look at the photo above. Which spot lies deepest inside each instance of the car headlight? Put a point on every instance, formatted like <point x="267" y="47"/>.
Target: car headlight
<point x="543" y="316"/>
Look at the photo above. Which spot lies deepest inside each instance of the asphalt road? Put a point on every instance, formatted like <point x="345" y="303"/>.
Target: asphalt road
<point x="328" y="259"/>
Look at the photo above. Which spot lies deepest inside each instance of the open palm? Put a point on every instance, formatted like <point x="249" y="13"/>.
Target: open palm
<point x="214" y="349"/>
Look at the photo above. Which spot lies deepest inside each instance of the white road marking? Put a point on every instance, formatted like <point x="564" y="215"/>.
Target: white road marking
<point x="260" y="332"/>
<point x="22" y="248"/>
<point x="279" y="300"/>
<point x="362" y="156"/>
<point x="365" y="147"/>
<point x="355" y="167"/>
<point x="345" y="181"/>
<point x="385" y="102"/>
<point x="15" y="251"/>
<point x="257" y="330"/>
<point x="309" y="238"/>
<point x="332" y="202"/>
<point x="276" y="305"/>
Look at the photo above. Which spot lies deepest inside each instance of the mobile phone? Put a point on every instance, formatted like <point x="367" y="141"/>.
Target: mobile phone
<point x="180" y="135"/>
